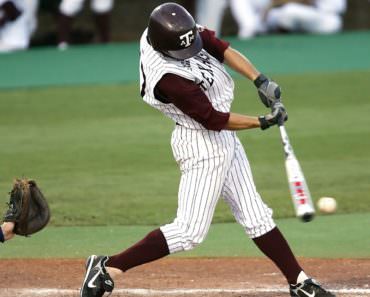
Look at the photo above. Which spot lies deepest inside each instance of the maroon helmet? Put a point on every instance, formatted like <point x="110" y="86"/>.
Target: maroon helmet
<point x="173" y="32"/>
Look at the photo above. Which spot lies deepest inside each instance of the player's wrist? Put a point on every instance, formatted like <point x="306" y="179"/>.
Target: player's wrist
<point x="261" y="78"/>
<point x="6" y="231"/>
<point x="264" y="124"/>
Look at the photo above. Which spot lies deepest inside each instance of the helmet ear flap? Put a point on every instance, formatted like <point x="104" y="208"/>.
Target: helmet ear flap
<point x="173" y="32"/>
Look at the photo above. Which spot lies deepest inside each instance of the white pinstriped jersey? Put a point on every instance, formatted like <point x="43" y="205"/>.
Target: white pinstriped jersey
<point x="203" y="69"/>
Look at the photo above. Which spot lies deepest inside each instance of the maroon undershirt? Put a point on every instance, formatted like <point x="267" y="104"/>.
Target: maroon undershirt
<point x="187" y="96"/>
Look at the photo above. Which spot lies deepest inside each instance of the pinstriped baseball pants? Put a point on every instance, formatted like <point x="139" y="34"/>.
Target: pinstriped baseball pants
<point x="212" y="164"/>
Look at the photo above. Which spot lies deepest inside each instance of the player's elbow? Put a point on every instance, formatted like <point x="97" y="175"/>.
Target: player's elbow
<point x="211" y="126"/>
<point x="214" y="120"/>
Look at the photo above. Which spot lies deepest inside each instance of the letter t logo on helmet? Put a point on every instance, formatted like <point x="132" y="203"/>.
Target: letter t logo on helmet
<point x="187" y="38"/>
<point x="172" y="31"/>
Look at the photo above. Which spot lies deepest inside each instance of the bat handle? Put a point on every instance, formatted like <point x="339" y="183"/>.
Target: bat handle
<point x="280" y="122"/>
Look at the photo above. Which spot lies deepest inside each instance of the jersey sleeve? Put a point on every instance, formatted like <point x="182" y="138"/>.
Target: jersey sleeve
<point x="214" y="46"/>
<point x="191" y="100"/>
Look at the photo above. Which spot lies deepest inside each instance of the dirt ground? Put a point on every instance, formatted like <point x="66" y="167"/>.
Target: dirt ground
<point x="214" y="277"/>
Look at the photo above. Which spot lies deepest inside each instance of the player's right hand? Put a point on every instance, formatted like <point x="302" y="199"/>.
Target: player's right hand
<point x="278" y="114"/>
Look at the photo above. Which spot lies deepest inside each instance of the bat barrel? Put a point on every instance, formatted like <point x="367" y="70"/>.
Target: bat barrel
<point x="300" y="193"/>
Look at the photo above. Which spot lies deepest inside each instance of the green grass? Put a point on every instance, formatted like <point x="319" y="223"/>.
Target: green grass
<point x="103" y="157"/>
<point x="324" y="237"/>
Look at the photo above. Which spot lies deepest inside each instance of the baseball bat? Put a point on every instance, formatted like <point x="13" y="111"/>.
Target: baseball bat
<point x="301" y="197"/>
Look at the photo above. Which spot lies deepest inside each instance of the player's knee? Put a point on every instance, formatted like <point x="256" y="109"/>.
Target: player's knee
<point x="191" y="236"/>
<point x="182" y="236"/>
<point x="260" y="225"/>
<point x="190" y="241"/>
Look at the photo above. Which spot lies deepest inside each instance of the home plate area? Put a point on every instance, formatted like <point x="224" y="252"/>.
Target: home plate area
<point x="216" y="277"/>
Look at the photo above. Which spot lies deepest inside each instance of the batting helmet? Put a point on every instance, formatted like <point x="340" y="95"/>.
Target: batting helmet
<point x="173" y="32"/>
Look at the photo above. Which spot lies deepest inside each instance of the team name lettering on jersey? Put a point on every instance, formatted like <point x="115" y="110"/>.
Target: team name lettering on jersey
<point x="205" y="68"/>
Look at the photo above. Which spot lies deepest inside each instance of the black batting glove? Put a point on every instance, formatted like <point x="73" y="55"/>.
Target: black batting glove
<point x="268" y="90"/>
<point x="278" y="115"/>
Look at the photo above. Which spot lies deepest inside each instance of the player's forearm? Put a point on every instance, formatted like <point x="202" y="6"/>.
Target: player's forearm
<point x="241" y="122"/>
<point x="240" y="63"/>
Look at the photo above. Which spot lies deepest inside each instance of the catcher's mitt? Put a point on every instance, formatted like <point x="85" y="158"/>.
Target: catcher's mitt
<point x="28" y="208"/>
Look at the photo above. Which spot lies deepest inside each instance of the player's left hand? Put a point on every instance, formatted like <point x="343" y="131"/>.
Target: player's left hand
<point x="268" y="90"/>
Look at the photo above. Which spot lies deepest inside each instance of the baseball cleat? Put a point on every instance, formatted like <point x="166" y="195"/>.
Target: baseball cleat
<point x="97" y="280"/>
<point x="309" y="288"/>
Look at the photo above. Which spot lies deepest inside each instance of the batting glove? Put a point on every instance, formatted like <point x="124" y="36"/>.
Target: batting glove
<point x="278" y="114"/>
<point x="268" y="90"/>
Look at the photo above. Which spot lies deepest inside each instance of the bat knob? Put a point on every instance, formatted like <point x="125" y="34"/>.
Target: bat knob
<point x="305" y="212"/>
<point x="307" y="217"/>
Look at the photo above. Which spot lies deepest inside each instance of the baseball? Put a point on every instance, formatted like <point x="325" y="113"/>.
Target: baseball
<point x="327" y="204"/>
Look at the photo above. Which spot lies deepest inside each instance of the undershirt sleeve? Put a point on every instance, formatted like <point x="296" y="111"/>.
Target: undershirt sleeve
<point x="214" y="46"/>
<point x="191" y="100"/>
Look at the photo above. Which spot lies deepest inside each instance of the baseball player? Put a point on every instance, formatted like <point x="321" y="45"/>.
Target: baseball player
<point x="68" y="9"/>
<point x="310" y="16"/>
<point x="18" y="21"/>
<point x="183" y="76"/>
<point x="247" y="14"/>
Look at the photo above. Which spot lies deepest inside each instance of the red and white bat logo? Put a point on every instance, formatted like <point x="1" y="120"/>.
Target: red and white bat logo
<point x="300" y="195"/>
